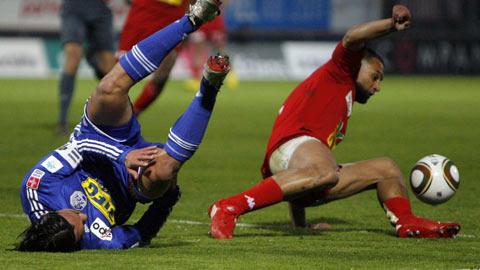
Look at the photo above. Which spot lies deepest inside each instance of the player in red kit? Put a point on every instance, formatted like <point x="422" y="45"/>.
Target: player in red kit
<point x="145" y="18"/>
<point x="299" y="166"/>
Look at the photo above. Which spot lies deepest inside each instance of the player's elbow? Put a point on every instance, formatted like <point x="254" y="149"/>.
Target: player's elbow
<point x="351" y="39"/>
<point x="347" y="39"/>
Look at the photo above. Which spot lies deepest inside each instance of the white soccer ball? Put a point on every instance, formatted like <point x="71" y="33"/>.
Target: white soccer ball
<point x="434" y="179"/>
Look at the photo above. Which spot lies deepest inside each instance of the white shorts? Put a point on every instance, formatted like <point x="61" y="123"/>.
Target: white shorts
<point x="280" y="158"/>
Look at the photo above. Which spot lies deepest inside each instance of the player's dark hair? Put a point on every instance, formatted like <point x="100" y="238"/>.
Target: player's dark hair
<point x="370" y="53"/>
<point x="52" y="233"/>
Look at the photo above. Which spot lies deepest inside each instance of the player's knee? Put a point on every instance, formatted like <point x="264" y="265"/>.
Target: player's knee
<point x="322" y="177"/>
<point x="389" y="169"/>
<point x="106" y="87"/>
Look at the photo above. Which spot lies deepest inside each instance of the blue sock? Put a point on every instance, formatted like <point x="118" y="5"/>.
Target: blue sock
<point x="187" y="133"/>
<point x="145" y="57"/>
<point x="67" y="84"/>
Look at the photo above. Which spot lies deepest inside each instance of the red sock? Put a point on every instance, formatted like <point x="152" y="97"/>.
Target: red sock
<point x="399" y="207"/>
<point x="263" y="194"/>
<point x="146" y="97"/>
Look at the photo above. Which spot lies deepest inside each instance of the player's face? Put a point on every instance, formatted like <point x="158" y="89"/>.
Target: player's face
<point x="77" y="219"/>
<point x="368" y="80"/>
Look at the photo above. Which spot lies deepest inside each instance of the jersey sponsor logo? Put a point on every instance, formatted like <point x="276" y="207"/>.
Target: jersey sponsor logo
<point x="52" y="164"/>
<point x="336" y="136"/>
<point x="34" y="180"/>
<point x="349" y="100"/>
<point x="99" y="198"/>
<point x="101" y="230"/>
<point x="250" y="201"/>
<point x="78" y="200"/>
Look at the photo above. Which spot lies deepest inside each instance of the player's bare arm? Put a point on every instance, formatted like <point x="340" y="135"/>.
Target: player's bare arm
<point x="356" y="36"/>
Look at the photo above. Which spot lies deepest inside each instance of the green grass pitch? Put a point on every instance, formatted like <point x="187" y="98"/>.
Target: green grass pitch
<point x="410" y="118"/>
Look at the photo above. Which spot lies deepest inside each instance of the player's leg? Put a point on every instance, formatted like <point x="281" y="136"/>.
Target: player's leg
<point x="109" y="104"/>
<point x="301" y="166"/>
<point x="101" y="42"/>
<point x="156" y="85"/>
<point x="187" y="133"/>
<point x="72" y="35"/>
<point x="72" y="52"/>
<point x="383" y="175"/>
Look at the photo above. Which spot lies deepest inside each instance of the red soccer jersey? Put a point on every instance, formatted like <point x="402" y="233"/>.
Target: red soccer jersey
<point x="147" y="17"/>
<point x="320" y="105"/>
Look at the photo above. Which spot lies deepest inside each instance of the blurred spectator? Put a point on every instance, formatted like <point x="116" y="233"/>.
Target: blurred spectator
<point x="83" y="21"/>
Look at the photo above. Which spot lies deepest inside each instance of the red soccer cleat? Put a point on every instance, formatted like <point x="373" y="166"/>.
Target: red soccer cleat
<point x="216" y="69"/>
<point x="224" y="219"/>
<point x="417" y="227"/>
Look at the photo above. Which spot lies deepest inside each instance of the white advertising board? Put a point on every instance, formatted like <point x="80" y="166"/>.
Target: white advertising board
<point x="302" y="58"/>
<point x="23" y="57"/>
<point x="43" y="15"/>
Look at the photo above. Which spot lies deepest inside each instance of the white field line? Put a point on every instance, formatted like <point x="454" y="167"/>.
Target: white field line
<point x="174" y="221"/>
<point x="191" y="222"/>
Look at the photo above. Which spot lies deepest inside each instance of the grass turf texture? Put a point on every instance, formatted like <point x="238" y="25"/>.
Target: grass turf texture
<point x="410" y="118"/>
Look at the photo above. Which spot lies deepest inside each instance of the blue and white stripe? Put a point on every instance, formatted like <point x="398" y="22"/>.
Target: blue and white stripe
<point x="171" y="148"/>
<point x="179" y="148"/>
<point x="140" y="57"/>
<point x="99" y="131"/>
<point x="99" y="147"/>
<point x="181" y="142"/>
<point x="37" y="208"/>
<point x="136" y="64"/>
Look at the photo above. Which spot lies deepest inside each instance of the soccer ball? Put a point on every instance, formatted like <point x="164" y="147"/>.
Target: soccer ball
<point x="434" y="179"/>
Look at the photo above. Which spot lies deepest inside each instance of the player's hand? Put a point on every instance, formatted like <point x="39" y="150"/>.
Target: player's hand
<point x="401" y="17"/>
<point x="138" y="159"/>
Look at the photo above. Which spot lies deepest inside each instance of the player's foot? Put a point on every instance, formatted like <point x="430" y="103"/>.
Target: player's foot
<point x="216" y="69"/>
<point x="204" y="11"/>
<point x="224" y="218"/>
<point x="417" y="227"/>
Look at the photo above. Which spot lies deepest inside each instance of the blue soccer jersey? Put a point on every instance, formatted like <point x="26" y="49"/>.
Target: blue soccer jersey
<point x="88" y="174"/>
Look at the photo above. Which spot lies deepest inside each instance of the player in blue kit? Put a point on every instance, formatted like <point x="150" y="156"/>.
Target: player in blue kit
<point x="80" y="195"/>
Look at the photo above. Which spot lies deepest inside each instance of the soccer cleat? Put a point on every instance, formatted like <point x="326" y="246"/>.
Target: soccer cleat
<point x="203" y="11"/>
<point x="216" y="69"/>
<point x="416" y="227"/>
<point x="224" y="218"/>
